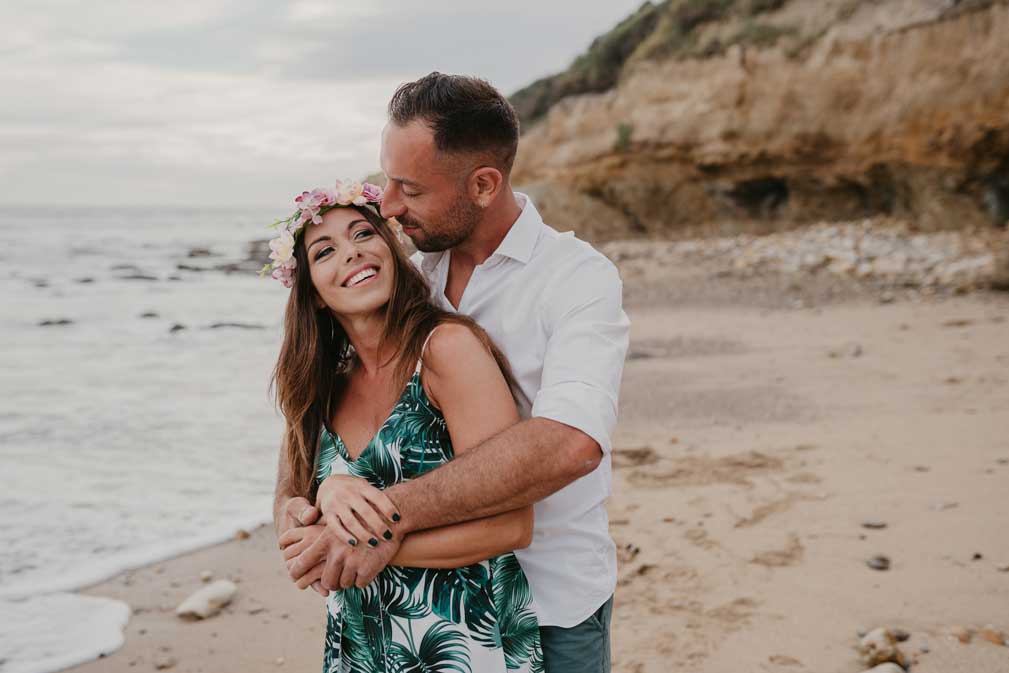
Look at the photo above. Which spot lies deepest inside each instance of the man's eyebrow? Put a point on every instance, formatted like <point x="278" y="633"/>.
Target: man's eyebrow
<point x="403" y="181"/>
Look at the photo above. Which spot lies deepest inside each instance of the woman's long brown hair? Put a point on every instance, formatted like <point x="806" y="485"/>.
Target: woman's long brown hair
<point x="316" y="355"/>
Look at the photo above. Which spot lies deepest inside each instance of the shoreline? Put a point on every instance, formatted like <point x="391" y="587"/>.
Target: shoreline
<point x="753" y="443"/>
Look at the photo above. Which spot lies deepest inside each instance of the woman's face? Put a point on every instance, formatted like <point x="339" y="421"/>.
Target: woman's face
<point x="350" y="264"/>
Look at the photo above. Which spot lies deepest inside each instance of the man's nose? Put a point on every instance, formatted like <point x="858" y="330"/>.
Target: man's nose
<point x="392" y="206"/>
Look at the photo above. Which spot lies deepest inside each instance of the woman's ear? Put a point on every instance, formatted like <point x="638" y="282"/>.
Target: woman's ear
<point x="485" y="183"/>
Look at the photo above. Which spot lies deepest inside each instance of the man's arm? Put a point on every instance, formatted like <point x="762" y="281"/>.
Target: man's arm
<point x="573" y="414"/>
<point x="516" y="468"/>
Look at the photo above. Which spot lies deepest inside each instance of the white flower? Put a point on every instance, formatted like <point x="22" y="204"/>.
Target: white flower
<point x="282" y="247"/>
<point x="348" y="192"/>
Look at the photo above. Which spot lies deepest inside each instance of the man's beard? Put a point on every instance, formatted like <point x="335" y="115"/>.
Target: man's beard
<point x="455" y="227"/>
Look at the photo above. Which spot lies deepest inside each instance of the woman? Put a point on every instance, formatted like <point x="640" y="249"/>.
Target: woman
<point x="377" y="383"/>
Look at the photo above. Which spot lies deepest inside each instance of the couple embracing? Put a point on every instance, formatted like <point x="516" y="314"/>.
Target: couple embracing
<point x="448" y="417"/>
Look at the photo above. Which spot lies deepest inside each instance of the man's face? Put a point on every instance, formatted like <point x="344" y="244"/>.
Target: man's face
<point x="426" y="191"/>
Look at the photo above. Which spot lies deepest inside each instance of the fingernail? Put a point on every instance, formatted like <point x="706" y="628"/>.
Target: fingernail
<point x="373" y="542"/>
<point x="395" y="517"/>
<point x="387" y="535"/>
<point x="352" y="542"/>
<point x="305" y="513"/>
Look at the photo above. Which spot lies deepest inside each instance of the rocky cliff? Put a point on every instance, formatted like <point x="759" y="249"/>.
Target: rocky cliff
<point x="728" y="116"/>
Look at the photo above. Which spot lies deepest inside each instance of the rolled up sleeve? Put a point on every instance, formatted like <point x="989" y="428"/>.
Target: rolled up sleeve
<point x="587" y="343"/>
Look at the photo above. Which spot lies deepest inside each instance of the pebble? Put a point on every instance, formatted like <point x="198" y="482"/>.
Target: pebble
<point x="924" y="649"/>
<point x="901" y="635"/>
<point x="162" y="662"/>
<point x="879" y="646"/>
<point x="888" y="667"/>
<point x="960" y="633"/>
<point x="57" y="322"/>
<point x="1004" y="568"/>
<point x="875" y="524"/>
<point x="242" y="534"/>
<point x="177" y="327"/>
<point x="941" y="505"/>
<point x="149" y="314"/>
<point x="879" y="562"/>
<point x="977" y="556"/>
<point x="206" y="576"/>
<point x="280" y="661"/>
<point x="992" y="635"/>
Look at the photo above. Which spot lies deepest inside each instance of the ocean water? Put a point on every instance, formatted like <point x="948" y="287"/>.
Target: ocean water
<point x="121" y="441"/>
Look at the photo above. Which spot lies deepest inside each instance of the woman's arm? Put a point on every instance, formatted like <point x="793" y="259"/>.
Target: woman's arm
<point x="462" y="379"/>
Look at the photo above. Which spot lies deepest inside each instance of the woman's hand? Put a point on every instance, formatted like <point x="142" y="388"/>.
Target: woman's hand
<point x="356" y="511"/>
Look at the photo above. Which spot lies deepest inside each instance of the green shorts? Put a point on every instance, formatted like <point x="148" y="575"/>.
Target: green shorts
<point x="583" y="648"/>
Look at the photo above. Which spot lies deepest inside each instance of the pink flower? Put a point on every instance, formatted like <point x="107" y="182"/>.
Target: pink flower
<point x="373" y="193"/>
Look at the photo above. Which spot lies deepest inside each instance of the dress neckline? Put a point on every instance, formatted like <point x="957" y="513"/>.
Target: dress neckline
<point x="342" y="446"/>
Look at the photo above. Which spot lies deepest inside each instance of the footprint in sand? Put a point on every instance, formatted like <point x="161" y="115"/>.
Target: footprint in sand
<point x="705" y="470"/>
<point x="779" y="558"/>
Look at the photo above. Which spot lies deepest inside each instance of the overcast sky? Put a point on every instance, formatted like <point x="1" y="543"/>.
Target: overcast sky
<point x="242" y="102"/>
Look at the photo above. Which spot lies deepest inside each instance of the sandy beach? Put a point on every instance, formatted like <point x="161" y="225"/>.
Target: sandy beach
<point x="755" y="442"/>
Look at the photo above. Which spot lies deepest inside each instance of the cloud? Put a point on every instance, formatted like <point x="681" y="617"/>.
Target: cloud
<point x="222" y="102"/>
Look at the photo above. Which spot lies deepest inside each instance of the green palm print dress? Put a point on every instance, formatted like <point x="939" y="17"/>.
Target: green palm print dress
<point x="476" y="619"/>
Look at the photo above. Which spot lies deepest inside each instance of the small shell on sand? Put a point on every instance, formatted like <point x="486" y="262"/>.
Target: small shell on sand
<point x="208" y="601"/>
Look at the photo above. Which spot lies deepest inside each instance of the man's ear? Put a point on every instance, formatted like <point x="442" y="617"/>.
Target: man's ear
<point x="484" y="185"/>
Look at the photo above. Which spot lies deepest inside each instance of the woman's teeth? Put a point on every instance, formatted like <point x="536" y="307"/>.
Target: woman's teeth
<point x="361" y="275"/>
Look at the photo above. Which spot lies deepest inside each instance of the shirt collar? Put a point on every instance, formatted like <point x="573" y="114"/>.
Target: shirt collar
<point x="521" y="239"/>
<point x="518" y="243"/>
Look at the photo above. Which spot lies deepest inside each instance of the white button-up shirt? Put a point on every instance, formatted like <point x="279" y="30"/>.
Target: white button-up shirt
<point x="553" y="304"/>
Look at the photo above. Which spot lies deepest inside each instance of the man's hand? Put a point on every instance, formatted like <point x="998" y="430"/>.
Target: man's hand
<point x="295" y="541"/>
<point x="360" y="567"/>
<point x="295" y="512"/>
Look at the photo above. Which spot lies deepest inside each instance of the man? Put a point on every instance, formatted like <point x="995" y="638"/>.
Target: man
<point x="553" y="305"/>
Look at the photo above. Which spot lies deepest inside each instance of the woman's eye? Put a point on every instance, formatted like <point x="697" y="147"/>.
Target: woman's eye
<point x="411" y="194"/>
<point x="363" y="233"/>
<point x="323" y="253"/>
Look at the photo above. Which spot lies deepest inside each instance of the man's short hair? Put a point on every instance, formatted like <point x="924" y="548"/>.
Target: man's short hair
<point x="466" y="114"/>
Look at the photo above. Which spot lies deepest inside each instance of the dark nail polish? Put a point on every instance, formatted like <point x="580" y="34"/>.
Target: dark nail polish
<point x="395" y="517"/>
<point x="352" y="542"/>
<point x="387" y="535"/>
<point x="373" y="542"/>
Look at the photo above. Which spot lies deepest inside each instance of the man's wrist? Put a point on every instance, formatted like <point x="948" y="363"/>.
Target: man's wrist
<point x="398" y="493"/>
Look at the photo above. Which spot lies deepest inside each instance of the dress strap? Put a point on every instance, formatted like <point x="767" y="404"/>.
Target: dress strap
<point x="423" y="348"/>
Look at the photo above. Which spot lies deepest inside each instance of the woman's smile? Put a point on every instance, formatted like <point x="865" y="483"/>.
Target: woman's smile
<point x="362" y="276"/>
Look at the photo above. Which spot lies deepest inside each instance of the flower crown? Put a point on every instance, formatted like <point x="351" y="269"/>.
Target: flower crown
<point x="311" y="206"/>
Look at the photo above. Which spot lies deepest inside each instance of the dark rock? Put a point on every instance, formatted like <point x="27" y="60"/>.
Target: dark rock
<point x="201" y="252"/>
<point x="40" y="283"/>
<point x="190" y="267"/>
<point x="177" y="327"/>
<point x="900" y="634"/>
<point x="85" y="280"/>
<point x="879" y="562"/>
<point x="149" y="314"/>
<point x="874" y="524"/>
<point x="56" y="322"/>
<point x="137" y="276"/>
<point x="239" y="325"/>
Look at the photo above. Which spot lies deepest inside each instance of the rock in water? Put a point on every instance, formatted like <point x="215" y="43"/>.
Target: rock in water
<point x="880" y="646"/>
<point x="208" y="601"/>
